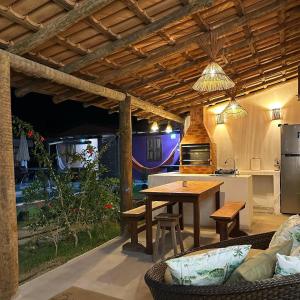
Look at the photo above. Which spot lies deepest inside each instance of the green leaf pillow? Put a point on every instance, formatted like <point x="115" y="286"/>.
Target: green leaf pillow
<point x="212" y="268"/>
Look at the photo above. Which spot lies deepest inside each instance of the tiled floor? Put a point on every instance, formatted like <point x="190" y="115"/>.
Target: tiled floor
<point x="109" y="271"/>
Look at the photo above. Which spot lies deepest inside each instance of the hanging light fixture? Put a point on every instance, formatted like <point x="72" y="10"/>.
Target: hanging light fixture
<point x="234" y="109"/>
<point x="213" y="77"/>
<point x="169" y="128"/>
<point x="154" y="127"/>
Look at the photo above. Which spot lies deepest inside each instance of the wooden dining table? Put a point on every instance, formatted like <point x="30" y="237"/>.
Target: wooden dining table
<point x="181" y="192"/>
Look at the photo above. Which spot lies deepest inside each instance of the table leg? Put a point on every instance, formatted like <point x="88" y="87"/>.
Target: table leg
<point x="149" y="245"/>
<point x="196" y="224"/>
<point x="180" y="210"/>
<point x="217" y="198"/>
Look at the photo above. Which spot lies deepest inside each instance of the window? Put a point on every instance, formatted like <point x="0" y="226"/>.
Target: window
<point x="154" y="148"/>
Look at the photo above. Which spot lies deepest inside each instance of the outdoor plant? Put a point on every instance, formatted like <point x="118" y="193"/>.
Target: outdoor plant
<point x="63" y="213"/>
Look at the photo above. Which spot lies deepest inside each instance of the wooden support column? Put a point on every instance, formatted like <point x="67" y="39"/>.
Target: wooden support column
<point x="9" y="270"/>
<point x="125" y="129"/>
<point x="298" y="82"/>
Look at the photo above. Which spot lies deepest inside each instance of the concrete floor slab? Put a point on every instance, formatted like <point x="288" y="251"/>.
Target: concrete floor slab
<point x="109" y="271"/>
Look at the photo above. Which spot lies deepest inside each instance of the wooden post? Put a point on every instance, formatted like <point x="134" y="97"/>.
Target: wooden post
<point x="298" y="82"/>
<point x="125" y="130"/>
<point x="9" y="270"/>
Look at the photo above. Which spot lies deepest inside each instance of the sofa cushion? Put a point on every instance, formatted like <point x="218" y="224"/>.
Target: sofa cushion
<point x="261" y="266"/>
<point x="290" y="229"/>
<point x="211" y="268"/>
<point x="287" y="265"/>
<point x="168" y="277"/>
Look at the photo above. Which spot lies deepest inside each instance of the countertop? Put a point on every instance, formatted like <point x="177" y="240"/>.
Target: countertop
<point x="201" y="175"/>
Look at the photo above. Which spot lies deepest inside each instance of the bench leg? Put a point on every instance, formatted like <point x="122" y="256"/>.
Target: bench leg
<point x="236" y="232"/>
<point x="134" y="244"/>
<point x="223" y="230"/>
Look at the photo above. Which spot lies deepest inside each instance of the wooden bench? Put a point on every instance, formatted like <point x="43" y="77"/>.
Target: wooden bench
<point x="229" y="213"/>
<point x="133" y="216"/>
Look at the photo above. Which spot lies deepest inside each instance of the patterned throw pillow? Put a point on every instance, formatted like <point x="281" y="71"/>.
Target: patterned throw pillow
<point x="212" y="268"/>
<point x="287" y="265"/>
<point x="289" y="230"/>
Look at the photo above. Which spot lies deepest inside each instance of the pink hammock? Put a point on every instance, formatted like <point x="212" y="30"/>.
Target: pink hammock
<point x="139" y="167"/>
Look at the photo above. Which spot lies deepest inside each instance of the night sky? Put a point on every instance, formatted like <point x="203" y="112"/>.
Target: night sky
<point x="52" y="119"/>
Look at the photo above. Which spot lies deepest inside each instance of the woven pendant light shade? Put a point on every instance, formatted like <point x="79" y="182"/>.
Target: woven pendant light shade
<point x="212" y="79"/>
<point x="234" y="110"/>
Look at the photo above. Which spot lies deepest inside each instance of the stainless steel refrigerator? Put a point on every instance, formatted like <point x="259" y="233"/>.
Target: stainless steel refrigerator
<point x="290" y="169"/>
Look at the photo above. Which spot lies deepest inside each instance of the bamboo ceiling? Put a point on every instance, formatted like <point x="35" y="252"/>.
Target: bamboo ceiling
<point x="149" y="48"/>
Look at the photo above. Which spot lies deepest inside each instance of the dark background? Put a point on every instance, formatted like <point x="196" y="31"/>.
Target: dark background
<point x="53" y="120"/>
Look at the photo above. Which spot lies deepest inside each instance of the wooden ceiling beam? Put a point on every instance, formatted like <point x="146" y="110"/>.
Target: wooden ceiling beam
<point x="246" y="92"/>
<point x="263" y="85"/>
<point x="200" y="60"/>
<point x="78" y="13"/>
<point x="66" y="4"/>
<point x="260" y="55"/>
<point x="28" y="67"/>
<point x="156" y="57"/>
<point x="190" y="80"/>
<point x="151" y="59"/>
<point x="135" y="8"/>
<point x="113" y="75"/>
<point x="127" y="41"/>
<point x="194" y="6"/>
<point x="203" y="25"/>
<point x="99" y="27"/>
<point x="268" y="67"/>
<point x="205" y="98"/>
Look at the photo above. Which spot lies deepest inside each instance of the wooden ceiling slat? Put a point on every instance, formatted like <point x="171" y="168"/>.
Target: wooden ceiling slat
<point x="261" y="48"/>
<point x="48" y="31"/>
<point x="103" y="51"/>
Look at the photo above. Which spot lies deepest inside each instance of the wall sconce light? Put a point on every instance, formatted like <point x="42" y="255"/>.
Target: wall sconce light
<point x="220" y="119"/>
<point x="276" y="114"/>
<point x="154" y="127"/>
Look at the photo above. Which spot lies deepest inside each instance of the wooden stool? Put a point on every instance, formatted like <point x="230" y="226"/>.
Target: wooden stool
<point x="167" y="221"/>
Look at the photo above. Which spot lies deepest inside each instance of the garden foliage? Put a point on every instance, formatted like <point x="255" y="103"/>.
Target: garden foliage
<point x="63" y="212"/>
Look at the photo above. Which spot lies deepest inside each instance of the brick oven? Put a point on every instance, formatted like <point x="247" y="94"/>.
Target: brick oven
<point x="197" y="152"/>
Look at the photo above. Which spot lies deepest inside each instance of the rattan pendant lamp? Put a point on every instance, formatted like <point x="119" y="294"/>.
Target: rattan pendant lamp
<point x="234" y="109"/>
<point x="213" y="77"/>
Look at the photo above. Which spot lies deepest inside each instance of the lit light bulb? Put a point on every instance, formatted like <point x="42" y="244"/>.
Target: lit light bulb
<point x="169" y="128"/>
<point x="154" y="127"/>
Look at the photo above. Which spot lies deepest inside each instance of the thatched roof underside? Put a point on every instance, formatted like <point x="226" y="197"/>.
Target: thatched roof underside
<point x="262" y="47"/>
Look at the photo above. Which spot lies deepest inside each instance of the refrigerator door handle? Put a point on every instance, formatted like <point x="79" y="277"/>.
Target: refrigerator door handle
<point x="292" y="154"/>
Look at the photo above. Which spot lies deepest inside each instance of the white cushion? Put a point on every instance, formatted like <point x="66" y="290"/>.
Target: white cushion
<point x="287" y="265"/>
<point x="289" y="230"/>
<point x="212" y="268"/>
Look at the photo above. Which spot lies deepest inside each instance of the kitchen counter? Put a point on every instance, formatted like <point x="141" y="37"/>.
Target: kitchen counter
<point x="266" y="189"/>
<point x="235" y="188"/>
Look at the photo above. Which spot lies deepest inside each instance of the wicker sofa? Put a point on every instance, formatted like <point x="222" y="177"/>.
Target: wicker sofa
<point x="287" y="287"/>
